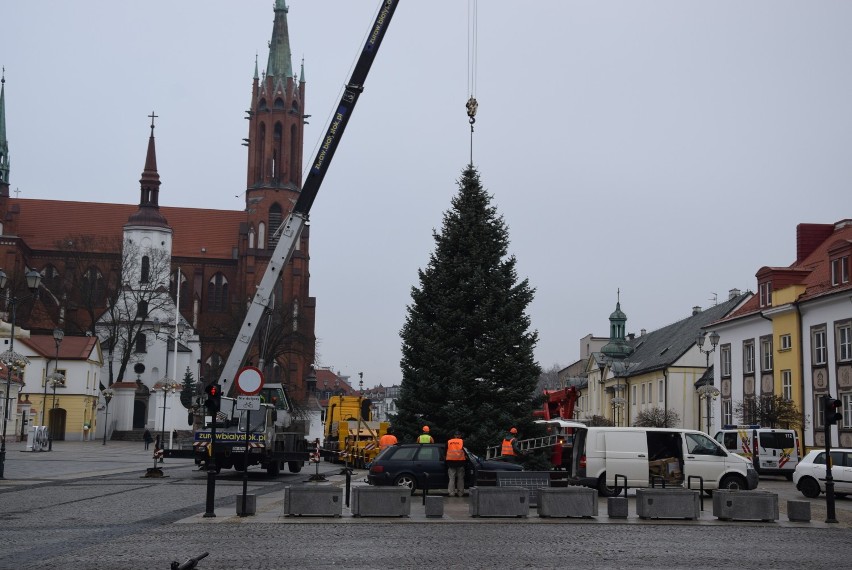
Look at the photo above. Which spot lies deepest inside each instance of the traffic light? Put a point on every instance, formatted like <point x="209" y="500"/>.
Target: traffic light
<point x="833" y="413"/>
<point x="214" y="398"/>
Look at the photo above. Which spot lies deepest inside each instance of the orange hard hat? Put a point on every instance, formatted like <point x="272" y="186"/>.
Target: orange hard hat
<point x="513" y="430"/>
<point x="426" y="429"/>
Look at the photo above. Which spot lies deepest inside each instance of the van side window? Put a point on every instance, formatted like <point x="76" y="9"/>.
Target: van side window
<point x="698" y="444"/>
<point x="731" y="441"/>
<point x="777" y="440"/>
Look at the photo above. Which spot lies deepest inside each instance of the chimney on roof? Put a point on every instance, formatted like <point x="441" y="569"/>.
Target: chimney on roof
<point x="695" y="310"/>
<point x="642" y="332"/>
<point x="733" y="293"/>
<point x="809" y="237"/>
<point x="631" y="336"/>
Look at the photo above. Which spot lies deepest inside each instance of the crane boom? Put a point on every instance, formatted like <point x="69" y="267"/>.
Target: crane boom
<point x="292" y="227"/>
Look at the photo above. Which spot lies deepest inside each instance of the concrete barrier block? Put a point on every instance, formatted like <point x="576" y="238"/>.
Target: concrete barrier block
<point x="745" y="505"/>
<point x="799" y="511"/>
<point x="250" y="506"/>
<point x="668" y="504"/>
<point x="434" y="506"/>
<point x="313" y="500"/>
<point x="381" y="502"/>
<point x="498" y="502"/>
<point x="567" y="502"/>
<point x="616" y="507"/>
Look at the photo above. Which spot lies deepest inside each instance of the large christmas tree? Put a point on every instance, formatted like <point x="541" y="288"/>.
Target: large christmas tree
<point x="467" y="351"/>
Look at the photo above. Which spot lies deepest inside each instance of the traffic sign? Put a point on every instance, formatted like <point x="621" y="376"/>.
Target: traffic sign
<point x="249" y="380"/>
<point x="248" y="403"/>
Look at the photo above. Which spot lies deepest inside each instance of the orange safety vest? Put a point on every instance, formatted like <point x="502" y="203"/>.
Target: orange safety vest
<point x="455" y="449"/>
<point x="507" y="448"/>
<point x="387" y="440"/>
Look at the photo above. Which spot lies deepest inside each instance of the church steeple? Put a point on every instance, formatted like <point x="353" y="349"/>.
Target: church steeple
<point x="280" y="64"/>
<point x="4" y="144"/>
<point x="148" y="213"/>
<point x="617" y="348"/>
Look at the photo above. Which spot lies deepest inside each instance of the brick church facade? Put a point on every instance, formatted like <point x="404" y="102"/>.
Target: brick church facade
<point x="222" y="254"/>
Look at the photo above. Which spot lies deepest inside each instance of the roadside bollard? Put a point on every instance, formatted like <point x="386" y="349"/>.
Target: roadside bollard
<point x="348" y="472"/>
<point x="425" y="487"/>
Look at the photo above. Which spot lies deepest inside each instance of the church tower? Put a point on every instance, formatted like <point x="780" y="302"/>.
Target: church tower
<point x="4" y="145"/>
<point x="274" y="179"/>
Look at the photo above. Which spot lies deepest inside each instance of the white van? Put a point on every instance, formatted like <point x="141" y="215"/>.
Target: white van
<point x="772" y="451"/>
<point x="653" y="456"/>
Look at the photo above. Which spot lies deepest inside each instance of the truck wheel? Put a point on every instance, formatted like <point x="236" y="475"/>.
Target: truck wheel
<point x="604" y="490"/>
<point x="273" y="469"/>
<point x="295" y="466"/>
<point x="733" y="483"/>
<point x="809" y="487"/>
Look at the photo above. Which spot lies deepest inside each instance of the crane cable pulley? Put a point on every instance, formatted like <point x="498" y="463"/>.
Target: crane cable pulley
<point x="472" y="105"/>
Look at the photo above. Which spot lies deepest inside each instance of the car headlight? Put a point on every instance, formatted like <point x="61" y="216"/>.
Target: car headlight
<point x="750" y="466"/>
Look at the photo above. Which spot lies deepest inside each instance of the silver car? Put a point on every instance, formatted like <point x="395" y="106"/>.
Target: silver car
<point x="809" y="476"/>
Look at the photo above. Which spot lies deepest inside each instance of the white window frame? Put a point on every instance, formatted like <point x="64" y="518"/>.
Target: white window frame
<point x="819" y="411"/>
<point x="786" y="342"/>
<point x="847" y="409"/>
<point x="787" y="384"/>
<point x="819" y="348"/>
<point x="766" y="294"/>
<point x="748" y="357"/>
<point x="725" y="360"/>
<point x="727" y="412"/>
<point x="766" y="354"/>
<point x="844" y="342"/>
<point x="662" y="391"/>
<point x="634" y="394"/>
<point x="643" y="393"/>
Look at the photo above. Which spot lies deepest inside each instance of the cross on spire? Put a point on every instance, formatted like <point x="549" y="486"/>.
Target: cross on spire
<point x="153" y="116"/>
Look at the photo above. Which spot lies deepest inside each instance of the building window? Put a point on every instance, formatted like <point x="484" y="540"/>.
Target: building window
<point x="275" y="219"/>
<point x="727" y="412"/>
<point x="141" y="343"/>
<point x="819" y="409"/>
<point x="725" y="360"/>
<point x="847" y="410"/>
<point x="844" y="341"/>
<point x="748" y="357"/>
<point x="787" y="384"/>
<point x="766" y="294"/>
<point x="662" y="391"/>
<point x="142" y="309"/>
<point x="217" y="293"/>
<point x="146" y="269"/>
<point x="840" y="270"/>
<point x="643" y="393"/>
<point x="766" y="354"/>
<point x="786" y="342"/>
<point x="819" y="347"/>
<point x="634" y="395"/>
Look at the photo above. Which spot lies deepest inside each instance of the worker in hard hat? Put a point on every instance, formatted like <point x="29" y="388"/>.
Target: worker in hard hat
<point x="425" y="437"/>
<point x="387" y="440"/>
<point x="456" y="461"/>
<point x="510" y="450"/>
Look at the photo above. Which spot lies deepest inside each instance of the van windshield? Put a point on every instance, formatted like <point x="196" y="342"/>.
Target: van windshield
<point x="777" y="440"/>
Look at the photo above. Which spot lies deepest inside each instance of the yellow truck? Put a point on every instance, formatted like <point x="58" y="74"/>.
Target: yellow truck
<point x="350" y="434"/>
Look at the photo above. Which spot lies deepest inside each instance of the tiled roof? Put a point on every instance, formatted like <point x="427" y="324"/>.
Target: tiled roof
<point x="71" y="347"/>
<point x="661" y="348"/>
<point x="43" y="223"/>
<point x="817" y="278"/>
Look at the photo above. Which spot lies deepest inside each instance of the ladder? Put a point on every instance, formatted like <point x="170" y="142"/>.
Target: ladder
<point x="495" y="451"/>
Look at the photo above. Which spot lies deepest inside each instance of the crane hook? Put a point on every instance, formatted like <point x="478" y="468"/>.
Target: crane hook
<point x="472" y="106"/>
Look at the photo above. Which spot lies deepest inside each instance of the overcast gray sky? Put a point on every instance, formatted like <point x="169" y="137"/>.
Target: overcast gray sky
<point x="667" y="148"/>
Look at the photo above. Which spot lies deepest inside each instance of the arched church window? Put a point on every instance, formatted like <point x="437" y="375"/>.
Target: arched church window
<point x="261" y="235"/>
<point x="251" y="238"/>
<point x="217" y="293"/>
<point x="94" y="288"/>
<point x="141" y="343"/>
<point x="262" y="105"/>
<point x="279" y="103"/>
<point x="275" y="218"/>
<point x="146" y="269"/>
<point x="184" y="289"/>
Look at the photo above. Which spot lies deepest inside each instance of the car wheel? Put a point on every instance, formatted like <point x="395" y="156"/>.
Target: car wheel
<point x="733" y="483"/>
<point x="606" y="491"/>
<point x="406" y="480"/>
<point x="809" y="487"/>
<point x="789" y="475"/>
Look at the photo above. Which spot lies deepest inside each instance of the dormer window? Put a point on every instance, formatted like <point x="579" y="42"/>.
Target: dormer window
<point x="765" y="289"/>
<point x="840" y="271"/>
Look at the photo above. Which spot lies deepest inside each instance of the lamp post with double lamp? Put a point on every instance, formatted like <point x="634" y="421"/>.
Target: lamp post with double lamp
<point x="708" y="392"/>
<point x="108" y="393"/>
<point x="58" y="335"/>
<point x="10" y="357"/>
<point x="166" y="388"/>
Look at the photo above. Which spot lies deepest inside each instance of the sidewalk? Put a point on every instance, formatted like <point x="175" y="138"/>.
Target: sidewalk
<point x="72" y="460"/>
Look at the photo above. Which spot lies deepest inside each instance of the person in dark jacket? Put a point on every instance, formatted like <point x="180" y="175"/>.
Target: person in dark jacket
<point x="147" y="438"/>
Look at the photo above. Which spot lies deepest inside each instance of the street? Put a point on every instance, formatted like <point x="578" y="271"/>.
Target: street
<point x="88" y="506"/>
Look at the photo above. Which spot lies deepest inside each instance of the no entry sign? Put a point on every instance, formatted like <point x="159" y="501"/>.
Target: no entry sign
<point x="249" y="381"/>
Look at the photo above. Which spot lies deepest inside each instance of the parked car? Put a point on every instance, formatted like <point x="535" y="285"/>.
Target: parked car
<point x="412" y="465"/>
<point x="809" y="476"/>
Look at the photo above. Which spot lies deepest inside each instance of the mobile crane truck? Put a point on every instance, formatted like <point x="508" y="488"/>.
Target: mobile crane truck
<point x="283" y="437"/>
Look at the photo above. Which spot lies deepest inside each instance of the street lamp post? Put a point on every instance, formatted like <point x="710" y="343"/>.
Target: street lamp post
<point x="57" y="381"/>
<point x="167" y="387"/>
<point x="9" y="356"/>
<point x="58" y="335"/>
<point x="714" y="340"/>
<point x="108" y="393"/>
<point x="708" y="393"/>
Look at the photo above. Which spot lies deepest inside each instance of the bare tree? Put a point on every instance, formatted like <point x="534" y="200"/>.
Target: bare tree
<point x="657" y="417"/>
<point x="549" y="379"/>
<point x="769" y="411"/>
<point x="598" y="421"/>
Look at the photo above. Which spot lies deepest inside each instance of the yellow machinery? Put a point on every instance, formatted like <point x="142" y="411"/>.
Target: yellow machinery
<point x="350" y="434"/>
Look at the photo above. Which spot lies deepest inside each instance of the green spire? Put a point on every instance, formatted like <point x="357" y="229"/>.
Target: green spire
<point x="255" y="66"/>
<point x="302" y="72"/>
<point x="4" y="144"/>
<point x="280" y="63"/>
<point x="617" y="348"/>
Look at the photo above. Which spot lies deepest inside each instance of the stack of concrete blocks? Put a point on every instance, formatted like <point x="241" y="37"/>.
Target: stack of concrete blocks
<point x="567" y="502"/>
<point x="668" y="504"/>
<point x="799" y="511"/>
<point x="313" y="500"/>
<point x="499" y="502"/>
<point x="381" y="502"/>
<point x="745" y="505"/>
<point x="616" y="507"/>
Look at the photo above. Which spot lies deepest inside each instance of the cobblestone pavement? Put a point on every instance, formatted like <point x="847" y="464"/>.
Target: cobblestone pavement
<point x="92" y="508"/>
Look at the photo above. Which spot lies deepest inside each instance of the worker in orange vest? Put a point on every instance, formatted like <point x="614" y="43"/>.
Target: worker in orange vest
<point x="510" y="450"/>
<point x="425" y="437"/>
<point x="456" y="463"/>
<point x="387" y="440"/>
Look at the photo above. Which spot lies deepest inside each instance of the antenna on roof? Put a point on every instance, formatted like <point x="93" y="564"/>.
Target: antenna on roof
<point x="714" y="298"/>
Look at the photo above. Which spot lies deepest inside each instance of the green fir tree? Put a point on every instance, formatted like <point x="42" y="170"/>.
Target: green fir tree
<point x="187" y="392"/>
<point x="467" y="349"/>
